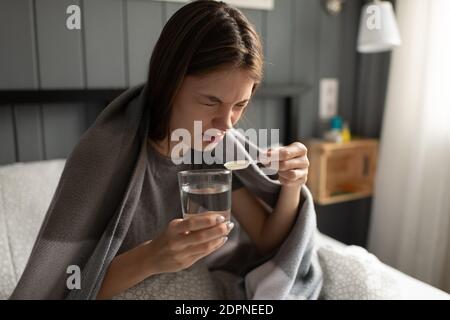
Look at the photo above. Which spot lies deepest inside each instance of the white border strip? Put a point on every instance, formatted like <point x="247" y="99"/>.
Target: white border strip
<point x="249" y="4"/>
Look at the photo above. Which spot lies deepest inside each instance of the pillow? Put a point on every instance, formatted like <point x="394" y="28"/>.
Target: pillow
<point x="26" y="190"/>
<point x="8" y="277"/>
<point x="352" y="273"/>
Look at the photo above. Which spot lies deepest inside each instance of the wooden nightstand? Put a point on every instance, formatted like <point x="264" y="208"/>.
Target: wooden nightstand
<point x="341" y="172"/>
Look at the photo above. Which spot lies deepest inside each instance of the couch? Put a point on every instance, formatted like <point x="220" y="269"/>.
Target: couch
<point x="26" y="189"/>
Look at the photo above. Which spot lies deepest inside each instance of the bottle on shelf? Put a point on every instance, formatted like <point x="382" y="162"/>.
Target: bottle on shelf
<point x="346" y="135"/>
<point x="335" y="132"/>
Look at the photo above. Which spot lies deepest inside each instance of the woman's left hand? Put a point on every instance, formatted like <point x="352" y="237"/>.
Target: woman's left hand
<point x="293" y="164"/>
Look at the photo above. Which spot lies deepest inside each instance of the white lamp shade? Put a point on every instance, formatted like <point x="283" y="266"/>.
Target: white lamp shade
<point x="378" y="29"/>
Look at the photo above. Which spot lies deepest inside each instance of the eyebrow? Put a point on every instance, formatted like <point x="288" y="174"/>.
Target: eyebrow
<point x="213" y="98"/>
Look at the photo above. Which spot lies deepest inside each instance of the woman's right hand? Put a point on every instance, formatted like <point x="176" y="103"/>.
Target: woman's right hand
<point x="186" y="241"/>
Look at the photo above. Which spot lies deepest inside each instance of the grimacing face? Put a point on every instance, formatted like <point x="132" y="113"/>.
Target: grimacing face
<point x="218" y="99"/>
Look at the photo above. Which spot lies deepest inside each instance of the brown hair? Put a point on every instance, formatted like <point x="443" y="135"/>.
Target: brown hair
<point x="201" y="37"/>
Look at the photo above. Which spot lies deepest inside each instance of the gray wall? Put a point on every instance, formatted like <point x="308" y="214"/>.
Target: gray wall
<point x="112" y="50"/>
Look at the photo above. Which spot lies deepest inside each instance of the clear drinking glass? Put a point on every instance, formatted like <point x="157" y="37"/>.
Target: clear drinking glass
<point x="205" y="191"/>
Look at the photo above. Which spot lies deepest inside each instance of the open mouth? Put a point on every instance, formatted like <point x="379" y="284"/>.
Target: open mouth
<point x="213" y="138"/>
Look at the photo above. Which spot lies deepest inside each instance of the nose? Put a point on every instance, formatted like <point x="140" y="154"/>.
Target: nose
<point x="224" y="121"/>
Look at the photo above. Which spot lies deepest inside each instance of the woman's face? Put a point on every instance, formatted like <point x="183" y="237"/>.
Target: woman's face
<point x="217" y="99"/>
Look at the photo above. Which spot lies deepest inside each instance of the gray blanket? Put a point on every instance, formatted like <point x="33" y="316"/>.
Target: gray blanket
<point x="93" y="206"/>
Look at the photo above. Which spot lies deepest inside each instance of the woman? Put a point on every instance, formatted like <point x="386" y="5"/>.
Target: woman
<point x="206" y="70"/>
<point x="116" y="212"/>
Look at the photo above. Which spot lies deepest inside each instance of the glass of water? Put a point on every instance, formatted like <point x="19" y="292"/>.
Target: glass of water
<point x="205" y="191"/>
